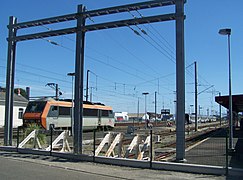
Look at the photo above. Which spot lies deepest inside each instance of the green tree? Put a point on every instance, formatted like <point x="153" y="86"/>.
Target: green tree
<point x="22" y="92"/>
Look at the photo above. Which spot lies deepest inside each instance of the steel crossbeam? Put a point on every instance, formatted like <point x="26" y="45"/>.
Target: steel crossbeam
<point x="45" y="21"/>
<point x="100" y="26"/>
<point x="130" y="22"/>
<point x="46" y="34"/>
<point x="93" y="13"/>
<point x="129" y="7"/>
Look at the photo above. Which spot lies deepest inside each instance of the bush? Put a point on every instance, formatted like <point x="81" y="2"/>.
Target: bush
<point x="32" y="127"/>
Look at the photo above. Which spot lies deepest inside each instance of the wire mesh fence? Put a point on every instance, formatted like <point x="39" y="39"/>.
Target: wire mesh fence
<point x="151" y="144"/>
<point x="210" y="150"/>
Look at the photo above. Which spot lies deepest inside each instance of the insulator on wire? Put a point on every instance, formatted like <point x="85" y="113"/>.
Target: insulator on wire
<point x="144" y="32"/>
<point x="136" y="32"/>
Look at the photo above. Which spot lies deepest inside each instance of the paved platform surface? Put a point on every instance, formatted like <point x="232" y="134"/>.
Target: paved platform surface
<point x="212" y="150"/>
<point x="28" y="166"/>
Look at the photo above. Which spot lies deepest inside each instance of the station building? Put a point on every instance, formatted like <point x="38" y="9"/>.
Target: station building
<point x="20" y="104"/>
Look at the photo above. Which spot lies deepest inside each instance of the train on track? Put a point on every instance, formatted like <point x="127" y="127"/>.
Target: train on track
<point x="46" y="111"/>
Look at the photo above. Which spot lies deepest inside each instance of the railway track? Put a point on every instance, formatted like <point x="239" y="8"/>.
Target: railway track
<point x="163" y="151"/>
<point x="189" y="142"/>
<point x="2" y="133"/>
<point x="167" y="134"/>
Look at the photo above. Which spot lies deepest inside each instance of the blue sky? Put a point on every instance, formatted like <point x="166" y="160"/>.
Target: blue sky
<point x="123" y="65"/>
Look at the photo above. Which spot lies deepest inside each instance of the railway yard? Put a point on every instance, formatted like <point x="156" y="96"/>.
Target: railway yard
<point x="126" y="140"/>
<point x="146" y="111"/>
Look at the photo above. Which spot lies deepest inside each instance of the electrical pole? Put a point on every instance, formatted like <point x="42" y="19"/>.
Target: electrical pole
<point x="138" y="110"/>
<point x="91" y="94"/>
<point x="196" y="126"/>
<point x="145" y="94"/>
<point x="155" y="107"/>
<point x="55" y="87"/>
<point x="56" y="91"/>
<point x="87" y="85"/>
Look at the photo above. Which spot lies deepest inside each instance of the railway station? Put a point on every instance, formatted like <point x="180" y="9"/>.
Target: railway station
<point x="79" y="133"/>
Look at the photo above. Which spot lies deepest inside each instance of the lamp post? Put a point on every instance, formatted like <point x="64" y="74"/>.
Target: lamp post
<point x="145" y="94"/>
<point x="228" y="33"/>
<point x="72" y="75"/>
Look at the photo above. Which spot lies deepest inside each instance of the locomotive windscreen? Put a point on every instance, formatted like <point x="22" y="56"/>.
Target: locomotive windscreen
<point x="36" y="106"/>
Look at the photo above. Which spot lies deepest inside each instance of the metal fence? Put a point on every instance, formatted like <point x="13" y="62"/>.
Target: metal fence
<point x="207" y="146"/>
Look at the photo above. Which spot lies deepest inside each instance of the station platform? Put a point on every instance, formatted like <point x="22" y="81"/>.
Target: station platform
<point x="212" y="150"/>
<point x="29" y="166"/>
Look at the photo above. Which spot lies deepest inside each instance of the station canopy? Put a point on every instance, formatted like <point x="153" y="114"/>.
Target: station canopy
<point x="237" y="102"/>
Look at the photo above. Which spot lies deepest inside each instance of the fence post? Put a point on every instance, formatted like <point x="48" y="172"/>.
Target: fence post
<point x="227" y="154"/>
<point x="35" y="138"/>
<point x="151" y="148"/>
<point x="51" y="127"/>
<point x="94" y="134"/>
<point x="18" y="138"/>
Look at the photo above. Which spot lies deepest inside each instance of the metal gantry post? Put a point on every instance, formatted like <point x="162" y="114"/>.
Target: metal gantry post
<point x="180" y="82"/>
<point x="9" y="96"/>
<point x="79" y="78"/>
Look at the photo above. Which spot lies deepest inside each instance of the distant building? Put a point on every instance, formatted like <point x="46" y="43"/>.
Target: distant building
<point x="152" y="116"/>
<point x="121" y="116"/>
<point x="20" y="104"/>
<point x="141" y="116"/>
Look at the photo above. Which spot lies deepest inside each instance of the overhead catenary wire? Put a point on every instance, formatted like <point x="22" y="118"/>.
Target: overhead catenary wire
<point x="54" y="43"/>
<point x="123" y="64"/>
<point x="138" y="59"/>
<point x="136" y="32"/>
<point x="159" y="50"/>
<point x="171" y="51"/>
<point x="57" y="44"/>
<point x="166" y="44"/>
<point x="165" y="53"/>
<point x="95" y="59"/>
